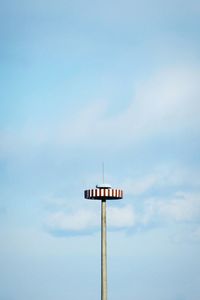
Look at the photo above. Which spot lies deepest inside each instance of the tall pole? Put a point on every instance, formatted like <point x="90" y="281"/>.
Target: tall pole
<point x="103" y="251"/>
<point x="103" y="192"/>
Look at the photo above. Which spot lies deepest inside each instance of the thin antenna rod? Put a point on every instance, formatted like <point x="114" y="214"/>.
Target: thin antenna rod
<point x="103" y="171"/>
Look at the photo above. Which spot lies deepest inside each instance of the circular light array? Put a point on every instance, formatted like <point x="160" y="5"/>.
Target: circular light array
<point x="105" y="193"/>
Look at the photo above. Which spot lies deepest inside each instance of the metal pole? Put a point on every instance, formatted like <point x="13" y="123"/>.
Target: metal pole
<point x="103" y="251"/>
<point x="103" y="192"/>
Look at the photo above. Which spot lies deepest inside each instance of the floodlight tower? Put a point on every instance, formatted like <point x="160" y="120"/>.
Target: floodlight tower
<point x="103" y="192"/>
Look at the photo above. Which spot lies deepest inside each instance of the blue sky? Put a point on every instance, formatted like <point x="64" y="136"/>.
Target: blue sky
<point x="84" y="82"/>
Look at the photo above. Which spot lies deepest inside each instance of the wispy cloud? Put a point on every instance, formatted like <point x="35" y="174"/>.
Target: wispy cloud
<point x="166" y="103"/>
<point x="181" y="207"/>
<point x="140" y="185"/>
<point x="87" y="219"/>
<point x="79" y="220"/>
<point x="163" y="177"/>
<point x="121" y="217"/>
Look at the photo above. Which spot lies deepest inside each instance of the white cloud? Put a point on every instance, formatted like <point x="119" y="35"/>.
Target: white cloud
<point x="167" y="103"/>
<point x="162" y="177"/>
<point x="86" y="219"/>
<point x="181" y="207"/>
<point x="139" y="186"/>
<point x="79" y="220"/>
<point x="121" y="217"/>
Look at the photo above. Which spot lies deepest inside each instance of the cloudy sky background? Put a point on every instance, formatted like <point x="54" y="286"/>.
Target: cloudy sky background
<point x="84" y="82"/>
